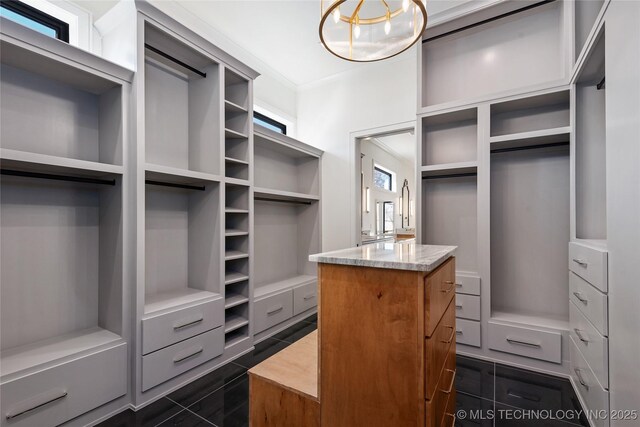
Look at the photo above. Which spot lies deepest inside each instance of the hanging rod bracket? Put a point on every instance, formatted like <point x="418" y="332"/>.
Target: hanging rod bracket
<point x="601" y="84"/>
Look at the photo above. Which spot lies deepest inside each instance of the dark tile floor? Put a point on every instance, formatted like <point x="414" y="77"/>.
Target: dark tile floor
<point x="488" y="394"/>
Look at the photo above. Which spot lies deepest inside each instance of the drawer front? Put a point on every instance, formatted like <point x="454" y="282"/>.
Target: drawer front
<point x="467" y="284"/>
<point x="164" y="364"/>
<point x="594" y="396"/>
<point x="527" y="395"/>
<point x="169" y="328"/>
<point x="468" y="307"/>
<point x="591" y="302"/>
<point x="437" y="406"/>
<point x="271" y="310"/>
<point x="594" y="347"/>
<point x="590" y="264"/>
<point x="305" y="297"/>
<point x="528" y="342"/>
<point x="468" y="332"/>
<point x="437" y="349"/>
<point x="65" y="391"/>
<point x="440" y="289"/>
<point x="449" y="417"/>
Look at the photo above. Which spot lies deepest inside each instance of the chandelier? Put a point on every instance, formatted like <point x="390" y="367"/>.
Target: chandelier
<point x="371" y="30"/>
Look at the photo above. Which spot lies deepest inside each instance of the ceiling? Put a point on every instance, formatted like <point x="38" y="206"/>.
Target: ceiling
<point x="403" y="145"/>
<point x="281" y="33"/>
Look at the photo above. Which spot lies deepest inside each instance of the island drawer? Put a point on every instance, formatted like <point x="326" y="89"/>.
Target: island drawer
<point x="437" y="348"/>
<point x="439" y="291"/>
<point x="445" y="389"/>
<point x="591" y="302"/>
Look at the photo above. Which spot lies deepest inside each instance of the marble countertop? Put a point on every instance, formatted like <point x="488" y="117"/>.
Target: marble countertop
<point x="396" y="256"/>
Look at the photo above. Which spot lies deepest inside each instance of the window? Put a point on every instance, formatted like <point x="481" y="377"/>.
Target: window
<point x="35" y="19"/>
<point x="269" y="123"/>
<point x="382" y="178"/>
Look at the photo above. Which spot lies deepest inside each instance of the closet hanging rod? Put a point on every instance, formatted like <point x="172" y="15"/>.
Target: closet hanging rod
<point x="451" y="175"/>
<point x="173" y="185"/>
<point x="267" y="199"/>
<point x="177" y="61"/>
<point x="529" y="147"/>
<point x="601" y="84"/>
<point x="68" y="178"/>
<point x="486" y="21"/>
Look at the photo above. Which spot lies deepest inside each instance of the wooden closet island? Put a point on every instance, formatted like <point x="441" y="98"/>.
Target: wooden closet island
<point x="384" y="353"/>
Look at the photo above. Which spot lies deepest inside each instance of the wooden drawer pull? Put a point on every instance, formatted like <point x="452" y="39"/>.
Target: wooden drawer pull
<point x="189" y="356"/>
<point x="580" y="379"/>
<point x="581" y="262"/>
<point x="453" y="379"/>
<point x="55" y="396"/>
<point x="453" y="419"/>
<point x="450" y="288"/>
<point x="453" y="333"/>
<point x="275" y="310"/>
<point x="580" y="336"/>
<point x="181" y="326"/>
<point x="524" y="343"/>
<point x="579" y="296"/>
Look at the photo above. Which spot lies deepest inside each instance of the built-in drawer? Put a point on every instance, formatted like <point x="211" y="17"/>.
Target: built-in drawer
<point x="525" y="341"/>
<point x="273" y="309"/>
<point x="467" y="284"/>
<point x="591" y="302"/>
<point x="520" y="392"/>
<point x="590" y="263"/>
<point x="437" y="348"/>
<point x="305" y="297"/>
<point x="439" y="290"/>
<point x="437" y="406"/>
<point x="468" y="307"/>
<point x="593" y="395"/>
<point x="468" y="332"/>
<point x="55" y="395"/>
<point x="164" y="364"/>
<point x="168" y="328"/>
<point x="594" y="346"/>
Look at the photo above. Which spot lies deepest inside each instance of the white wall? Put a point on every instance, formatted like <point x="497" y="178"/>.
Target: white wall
<point x="328" y="111"/>
<point x="403" y="169"/>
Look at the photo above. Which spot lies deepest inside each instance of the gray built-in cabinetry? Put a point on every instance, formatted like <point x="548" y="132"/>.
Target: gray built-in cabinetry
<point x="130" y="214"/>
<point x="512" y="170"/>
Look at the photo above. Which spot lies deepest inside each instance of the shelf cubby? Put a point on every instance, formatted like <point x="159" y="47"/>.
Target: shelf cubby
<point x="78" y="118"/>
<point x="182" y="105"/>
<point x="236" y="92"/>
<point x="236" y="223"/>
<point x="530" y="114"/>
<point x="449" y="215"/>
<point x="590" y="145"/>
<point x="62" y="270"/>
<point x="283" y="167"/>
<point x="450" y="137"/>
<point x="182" y="262"/>
<point x="236" y="197"/>
<point x="530" y="235"/>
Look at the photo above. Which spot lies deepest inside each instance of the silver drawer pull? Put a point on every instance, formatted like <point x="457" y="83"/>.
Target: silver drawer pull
<point x="579" y="296"/>
<point x="458" y="306"/>
<point x="579" y="334"/>
<point x="450" y="288"/>
<point x="458" y="332"/>
<point x="458" y="285"/>
<point x="525" y="343"/>
<point x="580" y="379"/>
<point x="189" y="356"/>
<point x="186" y="325"/>
<point x="55" y="396"/>
<point x="580" y="262"/>
<point x="310" y="296"/>
<point x="525" y="396"/>
<point x="275" y="310"/>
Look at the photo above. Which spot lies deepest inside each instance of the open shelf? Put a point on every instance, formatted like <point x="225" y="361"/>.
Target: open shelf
<point x="181" y="263"/>
<point x="524" y="116"/>
<point x="449" y="169"/>
<point x="236" y="336"/>
<point x="284" y="164"/>
<point x="171" y="175"/>
<point x="552" y="322"/>
<point x="176" y="298"/>
<point x="234" y="134"/>
<point x="42" y="163"/>
<point x="530" y="139"/>
<point x="233" y="108"/>
<point x="233" y="322"/>
<point x="530" y="233"/>
<point x="285" y="196"/>
<point x="236" y="90"/>
<point x="230" y="255"/>
<point x="232" y="277"/>
<point x="450" y="137"/>
<point x="182" y="106"/>
<point x="62" y="268"/>
<point x="288" y="283"/>
<point x="43" y="353"/>
<point x="233" y="299"/>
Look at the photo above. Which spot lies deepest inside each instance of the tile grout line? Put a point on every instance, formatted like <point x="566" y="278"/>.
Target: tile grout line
<point x="168" y="418"/>
<point x="202" y="418"/>
<point x="214" y="391"/>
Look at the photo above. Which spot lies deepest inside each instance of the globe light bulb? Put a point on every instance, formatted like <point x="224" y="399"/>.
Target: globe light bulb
<point x="336" y="15"/>
<point x="356" y="31"/>
<point x="387" y="27"/>
<point x="405" y="5"/>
